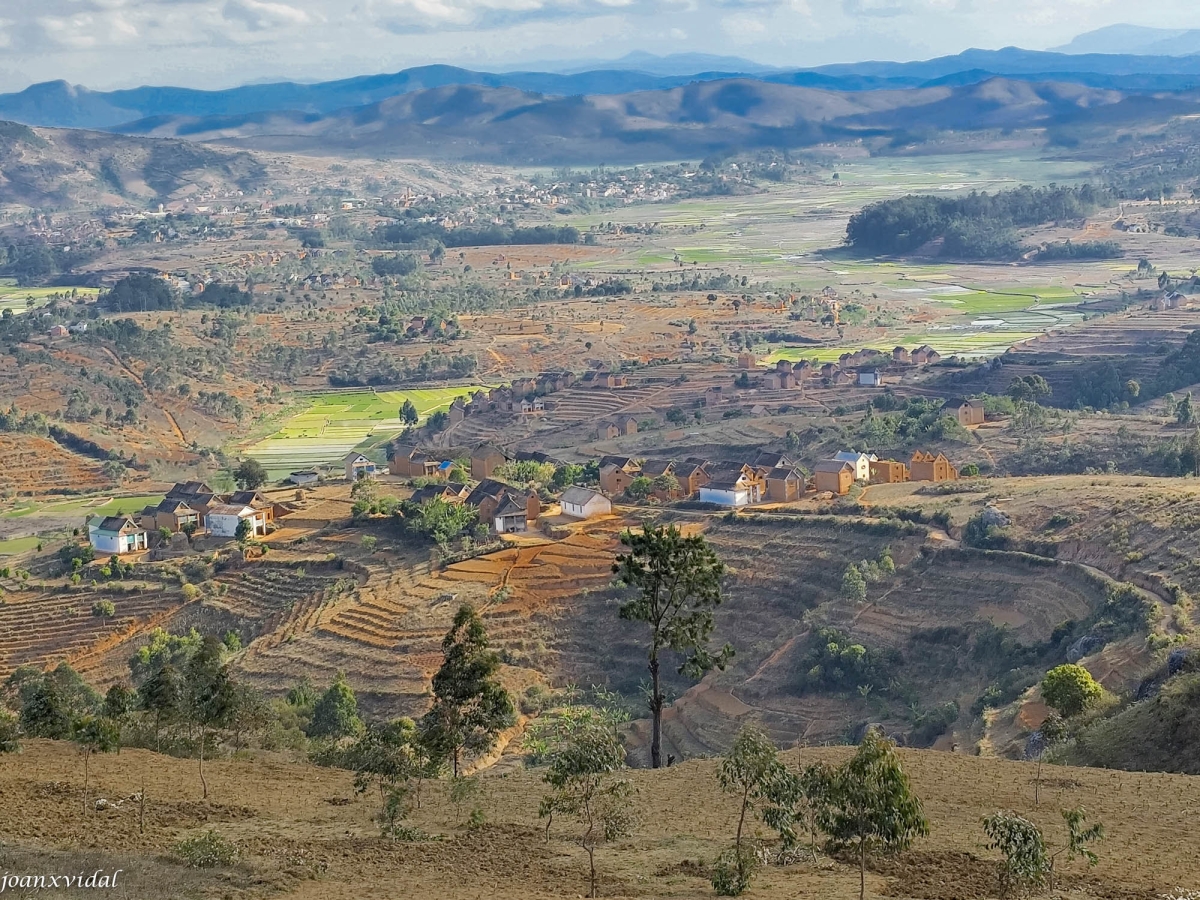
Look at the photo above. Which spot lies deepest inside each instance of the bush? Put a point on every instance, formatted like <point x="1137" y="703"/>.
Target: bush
<point x="104" y="609"/>
<point x="732" y="876"/>
<point x="207" y="851"/>
<point x="1070" y="689"/>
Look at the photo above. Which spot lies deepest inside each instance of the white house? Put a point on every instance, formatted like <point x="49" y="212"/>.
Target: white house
<point x="870" y="378"/>
<point x="736" y="492"/>
<point x="358" y="466"/>
<point x="510" y="517"/>
<point x="116" y="534"/>
<point x="223" y="520"/>
<point x="309" y="476"/>
<point x="580" y="503"/>
<point x="860" y="461"/>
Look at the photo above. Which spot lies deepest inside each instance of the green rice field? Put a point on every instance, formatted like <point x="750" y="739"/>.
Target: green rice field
<point x="336" y="422"/>
<point x="17" y="298"/>
<point x="18" y="545"/>
<point x="87" y="506"/>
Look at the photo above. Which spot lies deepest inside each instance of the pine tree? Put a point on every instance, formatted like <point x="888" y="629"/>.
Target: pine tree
<point x="678" y="580"/>
<point x="470" y="706"/>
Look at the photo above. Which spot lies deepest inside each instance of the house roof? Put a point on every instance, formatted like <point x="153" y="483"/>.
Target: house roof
<point x="509" y="508"/>
<point x="489" y="487"/>
<point x="537" y="456"/>
<point x="621" y="462"/>
<point x="171" y="505"/>
<point x="437" y="491"/>
<point x="117" y="524"/>
<point x="579" y="496"/>
<point x="312" y="472"/>
<point x="246" y="498"/>
<point x="232" y="509"/>
<point x="189" y="488"/>
<point x="353" y="457"/>
<point x="783" y="473"/>
<point x="652" y="468"/>
<point x="831" y="465"/>
<point x="852" y="456"/>
<point x="486" y="450"/>
<point x="771" y="460"/>
<point x="623" y="419"/>
<point x="725" y="486"/>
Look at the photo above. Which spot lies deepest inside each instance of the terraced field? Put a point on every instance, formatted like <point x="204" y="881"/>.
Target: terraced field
<point x="39" y="628"/>
<point x="38" y="466"/>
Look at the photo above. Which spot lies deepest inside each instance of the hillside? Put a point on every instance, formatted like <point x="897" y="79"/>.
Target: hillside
<point x="53" y="168"/>
<point x="507" y="124"/>
<point x="305" y="834"/>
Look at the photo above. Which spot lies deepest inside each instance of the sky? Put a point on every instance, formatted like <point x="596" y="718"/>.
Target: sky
<point x="106" y="44"/>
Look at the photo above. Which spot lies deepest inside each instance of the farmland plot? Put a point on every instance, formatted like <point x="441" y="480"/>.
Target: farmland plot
<point x="336" y="422"/>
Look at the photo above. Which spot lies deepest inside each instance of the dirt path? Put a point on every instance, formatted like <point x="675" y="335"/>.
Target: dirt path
<point x="174" y="425"/>
<point x="124" y="368"/>
<point x="167" y="414"/>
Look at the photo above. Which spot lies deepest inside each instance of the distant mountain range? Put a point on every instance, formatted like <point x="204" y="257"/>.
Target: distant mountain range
<point x="503" y="124"/>
<point x="58" y="104"/>
<point x="1136" y="39"/>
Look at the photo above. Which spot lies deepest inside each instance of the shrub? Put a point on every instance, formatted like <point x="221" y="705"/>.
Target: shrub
<point x="733" y="870"/>
<point x="207" y="851"/>
<point x="1070" y="689"/>
<point x="104" y="609"/>
<point x="1026" y="863"/>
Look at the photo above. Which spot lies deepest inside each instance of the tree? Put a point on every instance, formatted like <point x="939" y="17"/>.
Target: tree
<point x="244" y="531"/>
<point x="250" y="475"/>
<point x="94" y="734"/>
<point x="678" y="584"/>
<point x="640" y="487"/>
<point x="1070" y="689"/>
<point x="1078" y="839"/>
<point x="250" y="713"/>
<point x="335" y="715"/>
<point x="1184" y="413"/>
<point x="208" y="694"/>
<point x="1029" y="387"/>
<point x="438" y="421"/>
<point x="1026" y="863"/>
<point x="119" y="701"/>
<point x="750" y="770"/>
<point x="161" y="695"/>
<point x="470" y="707"/>
<point x="408" y="413"/>
<point x="583" y="761"/>
<point x="871" y="804"/>
<point x="854" y="586"/>
<point x="10" y="733"/>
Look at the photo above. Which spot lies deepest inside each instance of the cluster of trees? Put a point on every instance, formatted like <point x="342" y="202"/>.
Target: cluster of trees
<point x="917" y="420"/>
<point x="427" y="234"/>
<point x="14" y="420"/>
<point x="836" y="663"/>
<point x="976" y="226"/>
<point x="380" y="369"/>
<point x="441" y="523"/>
<point x="395" y="264"/>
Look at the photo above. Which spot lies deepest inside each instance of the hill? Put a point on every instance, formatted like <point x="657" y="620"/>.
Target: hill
<point x="55" y="168"/>
<point x="510" y="125"/>
<point x="304" y="833"/>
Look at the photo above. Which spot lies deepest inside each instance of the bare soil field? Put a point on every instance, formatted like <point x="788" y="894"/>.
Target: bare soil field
<point x="304" y="834"/>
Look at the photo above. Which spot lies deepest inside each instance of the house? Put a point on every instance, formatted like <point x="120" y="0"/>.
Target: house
<point x="901" y="355"/>
<point x="539" y="457"/>
<point x="509" y="517"/>
<point x="784" y="485"/>
<point x="58" y="331"/>
<point x="925" y="356"/>
<point x="173" y="515"/>
<point x="196" y="494"/>
<point x="308" y="476"/>
<point x="888" y="471"/>
<point x="758" y="410"/>
<point x="253" y="499"/>
<point x="661" y="468"/>
<point x="408" y="461"/>
<point x="747" y="361"/>
<point x="834" y="476"/>
<point x="712" y="396"/>
<point x="485" y="460"/>
<point x="490" y="495"/>
<point x="767" y="460"/>
<point x="457" y="410"/>
<point x="608" y="431"/>
<point x="617" y="473"/>
<point x="357" y="466"/>
<point x="927" y="467"/>
<point x="627" y="424"/>
<point x="451" y="492"/>
<point x="861" y="462"/>
<point x="116" y="534"/>
<point x="223" y="520"/>
<point x="870" y="378"/>
<point x="773" y="381"/>
<point x="581" y="503"/>
<point x="734" y="488"/>
<point x="829" y="370"/>
<point x="967" y="412"/>
<point x="784" y="366"/>
<point x="692" y="475"/>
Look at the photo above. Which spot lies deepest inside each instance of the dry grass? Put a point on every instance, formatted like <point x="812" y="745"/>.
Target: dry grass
<point x="295" y="820"/>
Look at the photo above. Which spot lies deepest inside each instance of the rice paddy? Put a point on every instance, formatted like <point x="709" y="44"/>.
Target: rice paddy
<point x="17" y="298"/>
<point x="86" y="506"/>
<point x="336" y="422"/>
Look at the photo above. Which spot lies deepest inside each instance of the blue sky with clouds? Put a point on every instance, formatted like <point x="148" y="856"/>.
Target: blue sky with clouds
<point x="106" y="44"/>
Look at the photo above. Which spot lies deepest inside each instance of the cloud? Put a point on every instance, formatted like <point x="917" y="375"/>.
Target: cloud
<point x="260" y="16"/>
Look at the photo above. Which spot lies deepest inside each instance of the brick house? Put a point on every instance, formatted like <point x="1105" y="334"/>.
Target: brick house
<point x="967" y="412"/>
<point x="485" y="460"/>
<point x="784" y="485"/>
<point x="927" y="467"/>
<point x="617" y="473"/>
<point x="408" y="461"/>
<point x="834" y="476"/>
<point x="888" y="471"/>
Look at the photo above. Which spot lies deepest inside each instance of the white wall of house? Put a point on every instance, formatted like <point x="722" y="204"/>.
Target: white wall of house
<point x="222" y="525"/>
<point x="739" y="497"/>
<point x="595" y="506"/>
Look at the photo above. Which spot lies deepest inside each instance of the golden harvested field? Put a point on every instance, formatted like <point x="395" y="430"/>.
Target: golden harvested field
<point x="306" y="835"/>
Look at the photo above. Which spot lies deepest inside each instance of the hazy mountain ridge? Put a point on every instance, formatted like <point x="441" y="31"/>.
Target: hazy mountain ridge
<point x="58" y="104"/>
<point x="505" y="124"/>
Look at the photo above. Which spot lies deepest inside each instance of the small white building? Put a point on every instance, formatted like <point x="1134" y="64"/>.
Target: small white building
<point x="581" y="503"/>
<point x="309" y="476"/>
<point x="728" y="493"/>
<point x="358" y="466"/>
<point x="870" y="378"/>
<point x="860" y="461"/>
<point x="223" y="520"/>
<point x="116" y="534"/>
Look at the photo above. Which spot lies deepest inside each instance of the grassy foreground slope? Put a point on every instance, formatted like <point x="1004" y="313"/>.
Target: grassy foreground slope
<point x="305" y="834"/>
